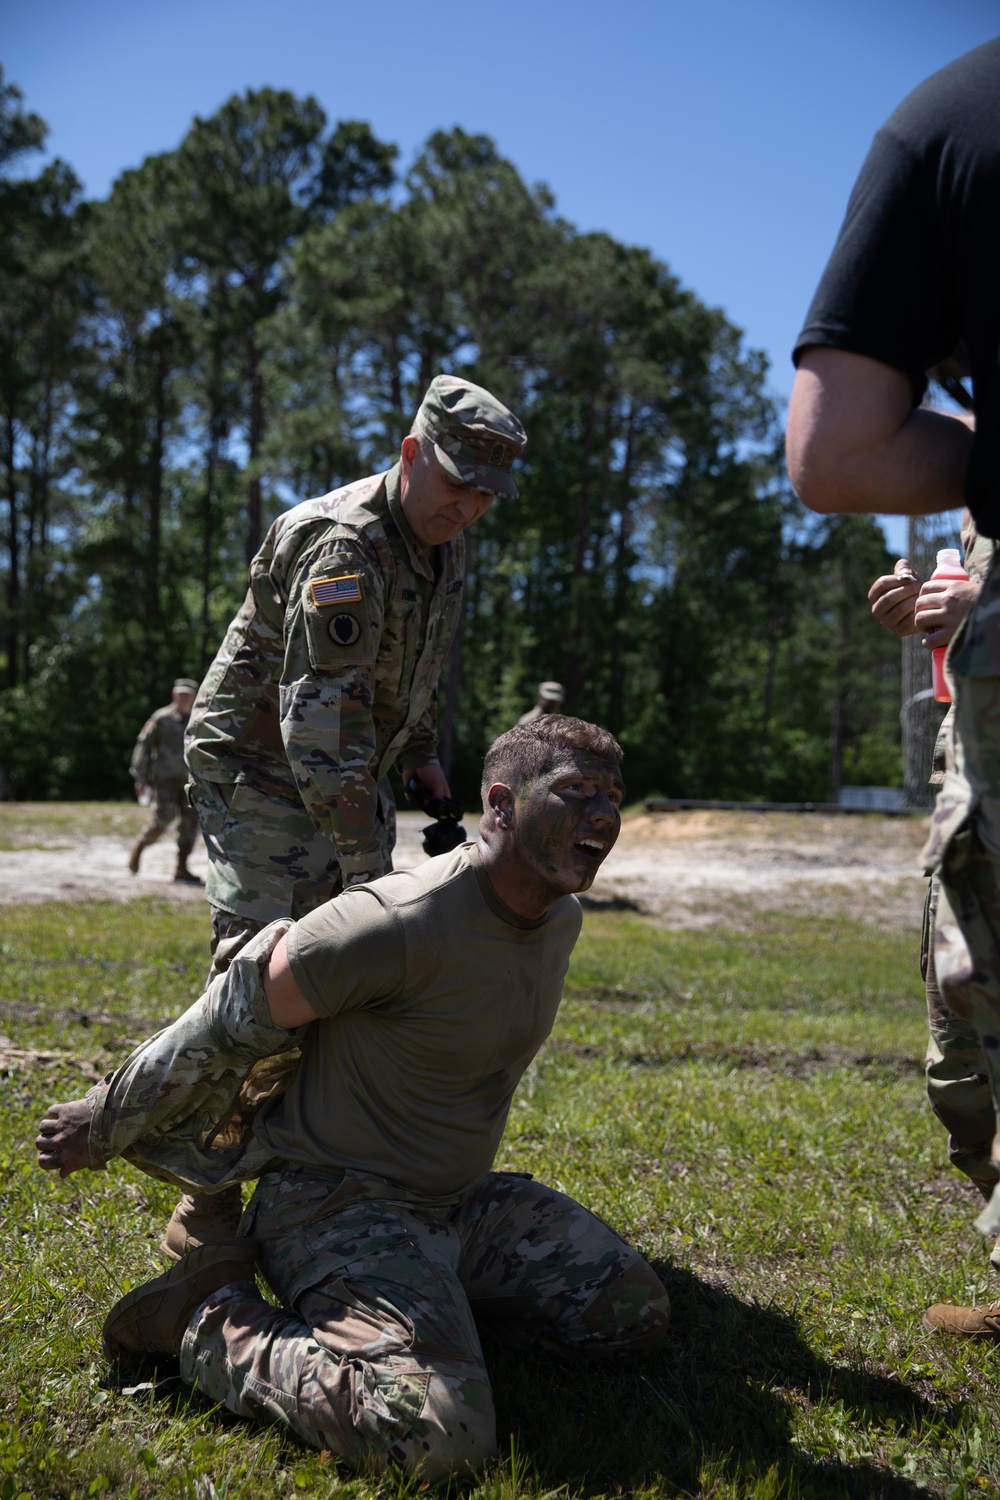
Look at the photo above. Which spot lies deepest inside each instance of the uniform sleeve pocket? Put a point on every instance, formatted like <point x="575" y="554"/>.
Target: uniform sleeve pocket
<point x="336" y="619"/>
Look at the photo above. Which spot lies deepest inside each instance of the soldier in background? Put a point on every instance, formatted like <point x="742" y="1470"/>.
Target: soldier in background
<point x="326" y="679"/>
<point x="551" y="697"/>
<point x="157" y="766"/>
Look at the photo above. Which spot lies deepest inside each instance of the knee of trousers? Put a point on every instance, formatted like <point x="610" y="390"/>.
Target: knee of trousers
<point x="455" y="1433"/>
<point x="629" y="1318"/>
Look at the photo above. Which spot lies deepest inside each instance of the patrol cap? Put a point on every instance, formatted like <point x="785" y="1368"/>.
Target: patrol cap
<point x="475" y="437"/>
<point x="553" y="691"/>
<point x="185" y="685"/>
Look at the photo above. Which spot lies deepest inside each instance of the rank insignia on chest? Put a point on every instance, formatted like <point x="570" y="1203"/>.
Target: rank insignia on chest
<point x="336" y="590"/>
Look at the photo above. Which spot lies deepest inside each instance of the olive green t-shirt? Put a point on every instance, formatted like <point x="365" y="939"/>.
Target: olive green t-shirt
<point x="434" y="997"/>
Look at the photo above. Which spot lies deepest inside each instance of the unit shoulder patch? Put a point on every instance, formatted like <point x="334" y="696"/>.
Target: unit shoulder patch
<point x="344" y="590"/>
<point x="344" y="630"/>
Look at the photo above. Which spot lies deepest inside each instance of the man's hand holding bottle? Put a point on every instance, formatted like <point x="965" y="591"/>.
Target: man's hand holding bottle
<point x="936" y="608"/>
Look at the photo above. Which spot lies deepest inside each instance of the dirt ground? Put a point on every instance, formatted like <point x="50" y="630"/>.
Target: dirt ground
<point x="687" y="869"/>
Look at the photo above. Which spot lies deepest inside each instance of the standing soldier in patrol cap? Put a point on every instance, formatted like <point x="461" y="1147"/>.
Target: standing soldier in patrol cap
<point x="551" y="697"/>
<point x="157" y="765"/>
<point x="328" y="675"/>
<point x="327" y="678"/>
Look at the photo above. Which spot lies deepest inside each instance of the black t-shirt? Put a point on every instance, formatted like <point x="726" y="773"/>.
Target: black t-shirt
<point x="916" y="268"/>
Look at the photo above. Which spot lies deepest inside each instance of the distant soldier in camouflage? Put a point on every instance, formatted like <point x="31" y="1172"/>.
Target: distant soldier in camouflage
<point x="417" y="1001"/>
<point x="551" y="697"/>
<point x="157" y="765"/>
<point x="327" y="678"/>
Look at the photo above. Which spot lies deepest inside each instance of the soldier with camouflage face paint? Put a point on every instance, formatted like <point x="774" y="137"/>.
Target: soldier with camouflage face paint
<point x="328" y="677"/>
<point x="418" y="1001"/>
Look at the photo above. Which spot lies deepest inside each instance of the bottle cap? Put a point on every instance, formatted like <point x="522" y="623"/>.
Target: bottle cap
<point x="949" y="557"/>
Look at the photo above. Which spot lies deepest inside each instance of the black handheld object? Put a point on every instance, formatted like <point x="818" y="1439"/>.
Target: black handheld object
<point x="446" y="833"/>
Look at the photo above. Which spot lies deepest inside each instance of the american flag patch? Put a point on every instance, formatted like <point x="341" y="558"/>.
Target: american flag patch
<point x="336" y="590"/>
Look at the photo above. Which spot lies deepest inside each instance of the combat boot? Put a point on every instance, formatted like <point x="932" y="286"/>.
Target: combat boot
<point x="134" y="854"/>
<point x="969" y="1322"/>
<point x="152" y="1318"/>
<point x="203" y="1219"/>
<point x="182" y="872"/>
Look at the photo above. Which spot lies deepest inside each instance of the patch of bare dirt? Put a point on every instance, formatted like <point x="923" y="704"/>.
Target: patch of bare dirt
<point x="698" y="868"/>
<point x="687" y="869"/>
<point x="94" y="866"/>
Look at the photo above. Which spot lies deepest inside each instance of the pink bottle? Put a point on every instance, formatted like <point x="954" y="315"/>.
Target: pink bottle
<point x="949" y="565"/>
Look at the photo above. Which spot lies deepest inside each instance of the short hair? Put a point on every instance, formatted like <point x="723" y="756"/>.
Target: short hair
<point x="529" y="749"/>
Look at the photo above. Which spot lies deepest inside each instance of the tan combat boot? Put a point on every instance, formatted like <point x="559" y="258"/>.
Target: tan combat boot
<point x="969" y="1322"/>
<point x="152" y="1318"/>
<point x="203" y="1219"/>
<point x="183" y="873"/>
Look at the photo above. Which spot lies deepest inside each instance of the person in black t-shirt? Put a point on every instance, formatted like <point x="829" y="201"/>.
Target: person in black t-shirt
<point x="916" y="272"/>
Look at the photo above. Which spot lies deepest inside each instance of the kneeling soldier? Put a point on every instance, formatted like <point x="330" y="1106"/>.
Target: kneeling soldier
<point x="418" y="1001"/>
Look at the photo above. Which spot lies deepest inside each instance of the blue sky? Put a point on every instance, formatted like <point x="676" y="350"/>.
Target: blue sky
<point x="725" y="136"/>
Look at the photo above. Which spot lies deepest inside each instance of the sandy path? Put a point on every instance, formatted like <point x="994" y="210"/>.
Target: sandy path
<point x="687" y="869"/>
<point x="94" y="867"/>
<point x="696" y="868"/>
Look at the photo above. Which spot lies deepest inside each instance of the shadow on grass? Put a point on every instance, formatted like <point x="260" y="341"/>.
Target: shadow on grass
<point x="714" y="1405"/>
<point x="611" y="903"/>
<point x="707" y="1403"/>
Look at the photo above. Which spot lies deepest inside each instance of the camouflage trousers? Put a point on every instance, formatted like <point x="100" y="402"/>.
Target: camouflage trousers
<point x="955" y="1068"/>
<point x="965" y="843"/>
<point x="170" y="803"/>
<point x="266" y="860"/>
<point x="375" y="1352"/>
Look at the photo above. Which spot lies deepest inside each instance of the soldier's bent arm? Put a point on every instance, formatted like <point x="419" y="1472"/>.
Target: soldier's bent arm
<point x="190" y="1074"/>
<point x="333" y="634"/>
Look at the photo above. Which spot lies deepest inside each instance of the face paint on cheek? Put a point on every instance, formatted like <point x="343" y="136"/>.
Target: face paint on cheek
<point x="544" y="822"/>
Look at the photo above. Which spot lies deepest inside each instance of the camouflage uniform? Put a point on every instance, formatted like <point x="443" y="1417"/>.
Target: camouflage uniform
<point x="327" y="676"/>
<point x="375" y="1352"/>
<point x="957" y="1084"/>
<point x="964" y="844"/>
<point x="158" y="761"/>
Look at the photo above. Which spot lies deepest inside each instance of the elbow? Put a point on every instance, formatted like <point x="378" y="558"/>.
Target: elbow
<point x="819" y="452"/>
<point x="816" y="477"/>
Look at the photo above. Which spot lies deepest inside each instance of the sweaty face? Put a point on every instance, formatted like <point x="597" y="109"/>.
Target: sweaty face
<point x="436" y="505"/>
<point x="567" y="821"/>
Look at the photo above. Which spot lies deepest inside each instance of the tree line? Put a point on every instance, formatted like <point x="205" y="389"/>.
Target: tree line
<point x="250" y="319"/>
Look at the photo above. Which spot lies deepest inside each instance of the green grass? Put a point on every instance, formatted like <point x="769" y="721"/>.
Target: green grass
<point x="747" y="1107"/>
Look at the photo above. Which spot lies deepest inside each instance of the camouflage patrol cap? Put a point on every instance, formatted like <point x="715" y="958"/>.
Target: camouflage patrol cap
<point x="185" y="685"/>
<point x="553" y="692"/>
<point x="475" y="437"/>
